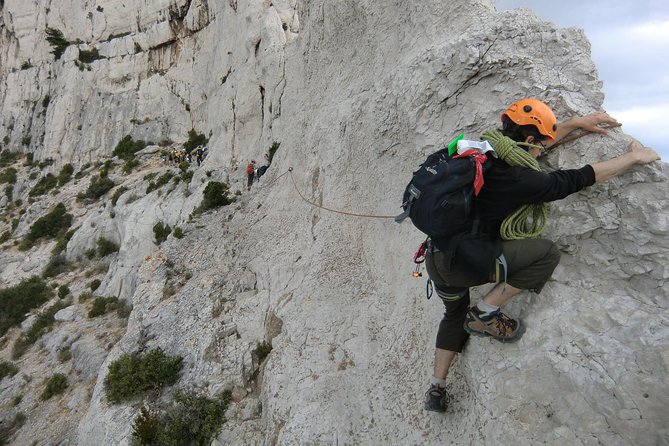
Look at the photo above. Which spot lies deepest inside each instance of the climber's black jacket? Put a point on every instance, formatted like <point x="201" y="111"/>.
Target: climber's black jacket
<point x="507" y="188"/>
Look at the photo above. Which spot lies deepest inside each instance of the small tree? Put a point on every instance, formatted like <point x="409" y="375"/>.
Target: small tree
<point x="161" y="232"/>
<point x="194" y="140"/>
<point x="214" y="195"/>
<point x="53" y="225"/>
<point x="44" y="185"/>
<point x="98" y="187"/>
<point x="106" y="247"/>
<point x="63" y="291"/>
<point x="134" y="374"/>
<point x="55" y="386"/>
<point x="127" y="147"/>
<point x="65" y="174"/>
<point x="57" y="41"/>
<point x="272" y="150"/>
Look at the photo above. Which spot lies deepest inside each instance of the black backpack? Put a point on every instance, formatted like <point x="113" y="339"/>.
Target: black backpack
<point x="439" y="199"/>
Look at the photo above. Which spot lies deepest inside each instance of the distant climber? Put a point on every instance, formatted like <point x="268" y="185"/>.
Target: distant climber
<point x="199" y="155"/>
<point x="260" y="172"/>
<point x="511" y="179"/>
<point x="250" y="174"/>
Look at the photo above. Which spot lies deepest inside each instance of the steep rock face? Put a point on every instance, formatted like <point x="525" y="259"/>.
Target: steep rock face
<point x="357" y="99"/>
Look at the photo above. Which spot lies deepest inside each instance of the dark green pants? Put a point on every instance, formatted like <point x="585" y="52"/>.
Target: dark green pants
<point x="530" y="264"/>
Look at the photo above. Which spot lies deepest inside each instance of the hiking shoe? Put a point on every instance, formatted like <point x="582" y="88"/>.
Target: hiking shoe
<point x="436" y="399"/>
<point x="496" y="324"/>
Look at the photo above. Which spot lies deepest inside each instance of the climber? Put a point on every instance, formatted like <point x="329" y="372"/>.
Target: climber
<point x="250" y="174"/>
<point x="260" y="172"/>
<point x="199" y="154"/>
<point x="515" y="261"/>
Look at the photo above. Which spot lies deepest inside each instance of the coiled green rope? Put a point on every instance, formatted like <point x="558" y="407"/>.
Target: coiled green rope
<point x="516" y="226"/>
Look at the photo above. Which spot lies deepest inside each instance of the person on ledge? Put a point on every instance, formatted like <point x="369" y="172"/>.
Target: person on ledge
<point x="515" y="261"/>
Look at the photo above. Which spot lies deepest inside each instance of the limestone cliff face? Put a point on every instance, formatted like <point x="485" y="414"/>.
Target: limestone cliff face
<point x="357" y="93"/>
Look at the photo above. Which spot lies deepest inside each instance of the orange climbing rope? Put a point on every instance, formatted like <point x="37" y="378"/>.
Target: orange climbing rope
<point x="577" y="136"/>
<point x="351" y="214"/>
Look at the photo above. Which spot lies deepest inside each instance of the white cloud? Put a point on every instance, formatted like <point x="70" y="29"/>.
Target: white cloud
<point x="629" y="40"/>
<point x="645" y="123"/>
<point x="654" y="33"/>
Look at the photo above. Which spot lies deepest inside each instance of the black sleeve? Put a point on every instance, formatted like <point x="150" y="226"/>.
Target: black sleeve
<point x="539" y="187"/>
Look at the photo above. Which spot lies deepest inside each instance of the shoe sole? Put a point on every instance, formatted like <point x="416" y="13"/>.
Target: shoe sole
<point x="483" y="334"/>
<point x="431" y="409"/>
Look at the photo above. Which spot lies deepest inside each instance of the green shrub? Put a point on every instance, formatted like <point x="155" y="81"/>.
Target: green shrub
<point x="63" y="291"/>
<point x="127" y="147"/>
<point x="7" y="157"/>
<point x="272" y="150"/>
<point x="195" y="140"/>
<point x="16" y="301"/>
<point x="57" y="41"/>
<point x="26" y="140"/>
<point x="65" y="354"/>
<point x="44" y="185"/>
<point x="160" y="182"/>
<point x="187" y="176"/>
<point x="42" y="325"/>
<point x="178" y="232"/>
<point x="9" y="192"/>
<point x="215" y="194"/>
<point x="190" y="419"/>
<point x="83" y="297"/>
<point x="57" y="264"/>
<point x="262" y="350"/>
<point x="147" y="427"/>
<point x="184" y="165"/>
<point x="95" y="284"/>
<point x="55" y="386"/>
<point x="88" y="56"/>
<point x="5" y="236"/>
<point x="62" y="242"/>
<point x="45" y="101"/>
<point x="9" y="427"/>
<point x="134" y="374"/>
<point x="8" y="176"/>
<point x="53" y="225"/>
<point x="65" y="174"/>
<point x="161" y="232"/>
<point x="99" y="187"/>
<point x="103" y="305"/>
<point x="117" y="194"/>
<point x="106" y="247"/>
<point x="47" y="162"/>
<point x="82" y="172"/>
<point x="130" y="165"/>
<point x="7" y="369"/>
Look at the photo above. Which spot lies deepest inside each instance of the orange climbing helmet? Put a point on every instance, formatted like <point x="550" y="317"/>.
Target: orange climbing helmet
<point x="533" y="112"/>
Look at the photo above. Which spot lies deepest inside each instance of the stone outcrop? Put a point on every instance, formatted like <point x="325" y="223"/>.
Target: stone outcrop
<point x="357" y="94"/>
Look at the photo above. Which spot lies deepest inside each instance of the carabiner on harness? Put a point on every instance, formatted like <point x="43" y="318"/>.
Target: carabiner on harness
<point x="418" y="258"/>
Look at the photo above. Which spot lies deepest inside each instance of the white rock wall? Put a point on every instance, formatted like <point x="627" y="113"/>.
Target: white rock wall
<point x="357" y="93"/>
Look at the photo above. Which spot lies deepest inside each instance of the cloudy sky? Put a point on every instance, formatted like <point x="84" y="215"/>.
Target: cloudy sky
<point x="630" y="46"/>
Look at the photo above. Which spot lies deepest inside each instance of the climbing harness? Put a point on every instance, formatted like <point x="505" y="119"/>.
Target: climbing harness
<point x="419" y="258"/>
